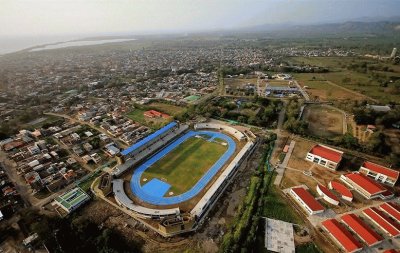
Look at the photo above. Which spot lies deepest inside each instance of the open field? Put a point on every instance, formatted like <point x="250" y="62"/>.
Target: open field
<point x="185" y="165"/>
<point x="362" y="83"/>
<point x="137" y="115"/>
<point x="167" y="108"/>
<point x="277" y="83"/>
<point x="320" y="89"/>
<point x="323" y="121"/>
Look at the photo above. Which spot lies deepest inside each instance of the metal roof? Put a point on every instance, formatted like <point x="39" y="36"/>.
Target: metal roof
<point x="149" y="138"/>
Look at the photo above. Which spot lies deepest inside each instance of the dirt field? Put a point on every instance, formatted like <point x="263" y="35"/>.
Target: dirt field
<point x="393" y="139"/>
<point x="323" y="121"/>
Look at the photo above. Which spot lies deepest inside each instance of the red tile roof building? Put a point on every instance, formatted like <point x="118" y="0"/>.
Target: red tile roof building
<point x="382" y="221"/>
<point x="363" y="185"/>
<point x="391" y="251"/>
<point x="341" y="235"/>
<point x="391" y="209"/>
<point x="360" y="228"/>
<point x="325" y="156"/>
<point x="155" y="114"/>
<point x="380" y="173"/>
<point x="342" y="189"/>
<point x="327" y="195"/>
<point x="306" y="200"/>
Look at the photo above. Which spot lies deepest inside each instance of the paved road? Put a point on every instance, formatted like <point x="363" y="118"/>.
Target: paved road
<point x="281" y="168"/>
<point x="20" y="184"/>
<point x="303" y="92"/>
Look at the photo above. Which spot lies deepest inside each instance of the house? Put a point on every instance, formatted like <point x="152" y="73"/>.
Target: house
<point x="77" y="150"/>
<point x="306" y="200"/>
<point x="34" y="150"/>
<point x="96" y="158"/>
<point x="325" y="156"/>
<point x="87" y="146"/>
<point x="380" y="173"/>
<point x="111" y="149"/>
<point x="367" y="187"/>
<point x="75" y="137"/>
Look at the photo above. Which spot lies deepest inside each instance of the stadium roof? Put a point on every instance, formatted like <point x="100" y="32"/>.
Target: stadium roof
<point x="308" y="199"/>
<point x="366" y="183"/>
<point x="327" y="153"/>
<point x="392" y="209"/>
<point x="368" y="235"/>
<point x="327" y="192"/>
<point x="342" y="235"/>
<point x="148" y="138"/>
<point x="342" y="189"/>
<point x="382" y="221"/>
<point x="381" y="169"/>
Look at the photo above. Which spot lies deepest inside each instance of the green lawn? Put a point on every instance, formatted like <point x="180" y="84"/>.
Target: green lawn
<point x="137" y="115"/>
<point x="170" y="109"/>
<point x="186" y="164"/>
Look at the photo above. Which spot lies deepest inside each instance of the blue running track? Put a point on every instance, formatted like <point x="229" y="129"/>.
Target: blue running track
<point x="147" y="196"/>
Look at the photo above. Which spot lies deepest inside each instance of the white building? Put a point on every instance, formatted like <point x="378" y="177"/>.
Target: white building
<point x="325" y="156"/>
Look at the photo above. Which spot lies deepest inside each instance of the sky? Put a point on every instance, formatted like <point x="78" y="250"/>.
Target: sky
<point x="93" y="17"/>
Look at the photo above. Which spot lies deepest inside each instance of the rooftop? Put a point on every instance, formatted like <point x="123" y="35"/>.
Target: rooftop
<point x="342" y="189"/>
<point x="342" y="235"/>
<point x="327" y="192"/>
<point x="327" y="153"/>
<point x="149" y="138"/>
<point x="368" y="235"/>
<point x="381" y="169"/>
<point x="308" y="199"/>
<point x="366" y="183"/>
<point x="392" y="209"/>
<point x="383" y="221"/>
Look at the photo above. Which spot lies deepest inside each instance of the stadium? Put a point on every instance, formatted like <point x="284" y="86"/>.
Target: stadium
<point x="172" y="178"/>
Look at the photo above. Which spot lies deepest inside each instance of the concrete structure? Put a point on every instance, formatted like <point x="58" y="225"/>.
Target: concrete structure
<point x="306" y="200"/>
<point x="380" y="173"/>
<point x="341" y="189"/>
<point x="380" y="219"/>
<point x="360" y="228"/>
<point x="325" y="156"/>
<point x="279" y="236"/>
<point x="143" y="212"/>
<point x="327" y="195"/>
<point x="72" y="199"/>
<point x="341" y="236"/>
<point x="367" y="187"/>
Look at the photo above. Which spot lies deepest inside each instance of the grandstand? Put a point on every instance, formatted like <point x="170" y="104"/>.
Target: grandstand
<point x="150" y="198"/>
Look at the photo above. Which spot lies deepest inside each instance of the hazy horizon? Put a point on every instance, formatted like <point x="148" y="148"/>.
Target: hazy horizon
<point x="36" y="22"/>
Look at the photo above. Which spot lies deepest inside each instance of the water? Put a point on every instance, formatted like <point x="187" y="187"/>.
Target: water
<point x="14" y="44"/>
<point x="78" y="44"/>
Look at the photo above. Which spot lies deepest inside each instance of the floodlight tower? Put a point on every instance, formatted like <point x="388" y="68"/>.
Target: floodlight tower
<point x="394" y="51"/>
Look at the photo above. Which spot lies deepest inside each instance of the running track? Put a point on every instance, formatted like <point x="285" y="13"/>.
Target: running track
<point x="137" y="174"/>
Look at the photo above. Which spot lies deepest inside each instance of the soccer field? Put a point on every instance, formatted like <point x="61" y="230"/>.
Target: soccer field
<point x="185" y="165"/>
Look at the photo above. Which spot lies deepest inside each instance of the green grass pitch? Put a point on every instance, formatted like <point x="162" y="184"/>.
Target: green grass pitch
<point x="186" y="164"/>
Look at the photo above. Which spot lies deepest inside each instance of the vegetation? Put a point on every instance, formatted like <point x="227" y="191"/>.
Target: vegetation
<point x="293" y="123"/>
<point x="76" y="234"/>
<point x="243" y="232"/>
